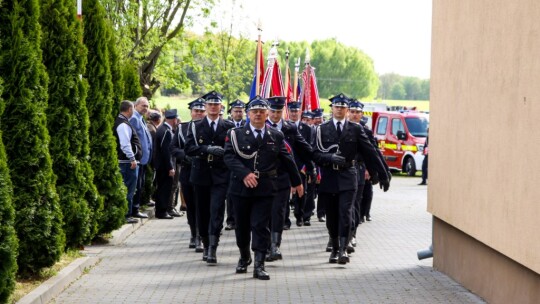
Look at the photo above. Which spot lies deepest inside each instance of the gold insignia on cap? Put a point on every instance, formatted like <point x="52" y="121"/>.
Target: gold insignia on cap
<point x="200" y="141"/>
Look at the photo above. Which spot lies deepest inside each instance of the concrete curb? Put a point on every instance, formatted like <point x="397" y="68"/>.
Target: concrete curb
<point x="122" y="233"/>
<point x="51" y="288"/>
<point x="55" y="285"/>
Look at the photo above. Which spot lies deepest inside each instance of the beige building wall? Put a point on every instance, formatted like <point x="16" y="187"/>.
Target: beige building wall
<point x="485" y="129"/>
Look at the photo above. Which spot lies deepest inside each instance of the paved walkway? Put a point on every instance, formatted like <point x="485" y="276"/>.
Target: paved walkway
<point x="155" y="265"/>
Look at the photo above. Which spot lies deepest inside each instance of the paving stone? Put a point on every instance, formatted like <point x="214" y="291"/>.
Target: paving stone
<point x="155" y="265"/>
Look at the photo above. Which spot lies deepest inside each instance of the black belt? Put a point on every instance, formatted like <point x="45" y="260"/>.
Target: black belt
<point x="271" y="173"/>
<point x="347" y="165"/>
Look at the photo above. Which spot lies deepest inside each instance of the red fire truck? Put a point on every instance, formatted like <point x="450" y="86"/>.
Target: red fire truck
<point x="401" y="137"/>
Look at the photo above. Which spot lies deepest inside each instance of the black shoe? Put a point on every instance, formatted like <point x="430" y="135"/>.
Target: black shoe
<point x="243" y="265"/>
<point x="350" y="248"/>
<point x="192" y="242"/>
<point x="368" y="218"/>
<point x="322" y="219"/>
<point x="423" y="183"/>
<point x="165" y="216"/>
<point x="211" y="258"/>
<point x="334" y="256"/>
<point x="259" y="272"/>
<point x="353" y="241"/>
<point x="198" y="245"/>
<point x="343" y="257"/>
<point x="299" y="223"/>
<point x="329" y="245"/>
<point x="307" y="223"/>
<point x="174" y="213"/>
<point x="286" y="227"/>
<point x="205" y="254"/>
<point x="131" y="220"/>
<point x="140" y="215"/>
<point x="230" y="227"/>
<point x="183" y="208"/>
<point x="151" y="203"/>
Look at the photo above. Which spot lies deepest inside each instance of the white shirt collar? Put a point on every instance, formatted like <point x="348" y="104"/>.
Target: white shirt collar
<point x="254" y="132"/>
<point x="336" y="121"/>
<point x="210" y="122"/>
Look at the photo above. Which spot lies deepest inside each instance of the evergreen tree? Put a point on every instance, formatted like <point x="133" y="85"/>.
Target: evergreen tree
<point x="38" y="220"/>
<point x="103" y="156"/>
<point x="64" y="56"/>
<point x="116" y="71"/>
<point x="8" y="240"/>
<point x="132" y="84"/>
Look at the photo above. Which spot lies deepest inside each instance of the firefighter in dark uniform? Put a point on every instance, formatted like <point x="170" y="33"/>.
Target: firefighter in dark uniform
<point x="307" y="170"/>
<point x="367" y="195"/>
<point x="301" y="150"/>
<point x="318" y="119"/>
<point x="356" y="109"/>
<point x="337" y="144"/>
<point x="197" y="112"/>
<point x="209" y="175"/>
<point x="254" y="153"/>
<point x="163" y="163"/>
<point x="236" y="110"/>
<point x="311" y="190"/>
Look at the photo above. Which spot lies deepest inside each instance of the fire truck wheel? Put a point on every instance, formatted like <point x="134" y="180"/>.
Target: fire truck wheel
<point x="410" y="167"/>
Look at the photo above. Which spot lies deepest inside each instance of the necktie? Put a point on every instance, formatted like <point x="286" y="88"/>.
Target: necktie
<point x="212" y="124"/>
<point x="339" y="128"/>
<point x="259" y="136"/>
<point x="238" y="125"/>
<point x="274" y="125"/>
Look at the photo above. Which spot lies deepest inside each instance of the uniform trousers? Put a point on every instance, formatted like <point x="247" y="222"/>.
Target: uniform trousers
<point x="338" y="208"/>
<point x="210" y="201"/>
<point x="230" y="212"/>
<point x="300" y="202"/>
<point x="173" y="199"/>
<point x="357" y="206"/>
<point x="279" y="209"/>
<point x="367" y="197"/>
<point x="137" y="198"/>
<point x="164" y="184"/>
<point x="252" y="216"/>
<point x="191" y="207"/>
<point x="309" y="207"/>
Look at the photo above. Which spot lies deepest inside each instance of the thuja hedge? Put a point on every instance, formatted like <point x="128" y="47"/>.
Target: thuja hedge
<point x="64" y="56"/>
<point x="38" y="218"/>
<point x="132" y="84"/>
<point x="8" y="240"/>
<point x="99" y="102"/>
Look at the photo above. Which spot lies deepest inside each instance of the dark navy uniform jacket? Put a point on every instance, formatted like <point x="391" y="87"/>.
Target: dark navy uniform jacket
<point x="207" y="169"/>
<point x="270" y="154"/>
<point x="301" y="150"/>
<point x="353" y="141"/>
<point x="162" y="158"/>
<point x="178" y="146"/>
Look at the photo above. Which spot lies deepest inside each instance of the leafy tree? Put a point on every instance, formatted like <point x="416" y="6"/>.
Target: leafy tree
<point x="38" y="219"/>
<point x="67" y="118"/>
<point x="103" y="156"/>
<point x="144" y="28"/>
<point x="413" y="87"/>
<point x="398" y="91"/>
<point x="8" y="239"/>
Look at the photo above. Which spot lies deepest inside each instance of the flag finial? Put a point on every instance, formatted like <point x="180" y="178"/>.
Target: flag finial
<point x="308" y="58"/>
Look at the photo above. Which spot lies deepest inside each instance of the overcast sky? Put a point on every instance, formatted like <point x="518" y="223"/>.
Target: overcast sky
<point x="396" y="34"/>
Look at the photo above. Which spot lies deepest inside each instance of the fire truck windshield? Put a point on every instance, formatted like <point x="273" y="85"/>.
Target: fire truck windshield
<point x="417" y="126"/>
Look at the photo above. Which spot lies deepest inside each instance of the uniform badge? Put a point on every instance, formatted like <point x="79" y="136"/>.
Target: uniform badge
<point x="248" y="147"/>
<point x="200" y="141"/>
<point x="247" y="132"/>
